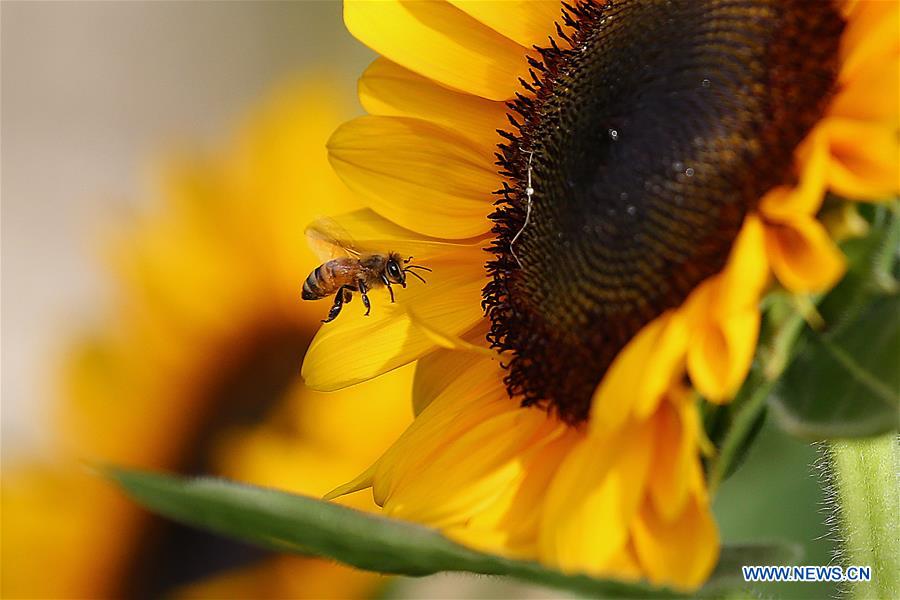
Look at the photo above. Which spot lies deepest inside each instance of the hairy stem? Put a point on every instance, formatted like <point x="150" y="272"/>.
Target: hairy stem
<point x="865" y="477"/>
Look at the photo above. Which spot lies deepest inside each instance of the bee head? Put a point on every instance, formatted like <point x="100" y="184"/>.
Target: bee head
<point x="394" y="270"/>
<point x="398" y="267"/>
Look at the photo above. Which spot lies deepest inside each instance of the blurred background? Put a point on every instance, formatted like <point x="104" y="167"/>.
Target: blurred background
<point x="159" y="163"/>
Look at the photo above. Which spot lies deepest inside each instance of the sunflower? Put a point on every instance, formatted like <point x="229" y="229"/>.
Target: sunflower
<point x="638" y="171"/>
<point x="195" y="369"/>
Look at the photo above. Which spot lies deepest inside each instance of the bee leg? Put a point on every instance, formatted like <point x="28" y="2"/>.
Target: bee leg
<point x="387" y="282"/>
<point x="363" y="293"/>
<point x="348" y="295"/>
<point x="337" y="306"/>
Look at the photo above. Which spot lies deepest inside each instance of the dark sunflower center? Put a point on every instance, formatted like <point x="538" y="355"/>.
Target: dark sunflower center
<point x="648" y="135"/>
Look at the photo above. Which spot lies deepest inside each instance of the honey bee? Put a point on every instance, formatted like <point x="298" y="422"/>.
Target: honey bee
<point x="352" y="270"/>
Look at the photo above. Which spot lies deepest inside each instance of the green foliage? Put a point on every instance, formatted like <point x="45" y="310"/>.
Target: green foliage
<point x="837" y="379"/>
<point x="302" y="525"/>
<point x="845" y="383"/>
<point x="845" y="379"/>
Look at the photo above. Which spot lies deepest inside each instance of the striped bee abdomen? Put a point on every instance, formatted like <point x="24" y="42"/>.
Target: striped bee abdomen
<point x="327" y="279"/>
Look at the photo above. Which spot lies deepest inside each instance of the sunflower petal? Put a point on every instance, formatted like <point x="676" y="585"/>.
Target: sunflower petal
<point x="681" y="552"/>
<point x="865" y="158"/>
<point x="473" y="471"/>
<point x="427" y="178"/>
<point x="438" y="369"/>
<point x="388" y="89"/>
<point x="870" y="35"/>
<point x="527" y="22"/>
<point x="509" y="524"/>
<point x="746" y="275"/>
<point x="675" y="456"/>
<point x="355" y="348"/>
<point x="447" y="340"/>
<point x="803" y="255"/>
<point x="651" y="358"/>
<point x="785" y="202"/>
<point x="367" y="231"/>
<point x="457" y="409"/>
<point x="593" y="499"/>
<point x="858" y="99"/>
<point x="720" y="354"/>
<point x="441" y="42"/>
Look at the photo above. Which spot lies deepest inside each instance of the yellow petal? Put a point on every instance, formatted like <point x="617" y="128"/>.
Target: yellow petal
<point x="723" y="316"/>
<point x="680" y="553"/>
<point x="528" y="22"/>
<point x="439" y="41"/>
<point x="870" y="35"/>
<point x="509" y="524"/>
<point x="675" y="455"/>
<point x="803" y="256"/>
<point x="367" y="231"/>
<point x="873" y="94"/>
<point x="460" y="406"/>
<point x="355" y="348"/>
<point x="424" y="177"/>
<point x="359" y="422"/>
<point x="474" y="470"/>
<point x="594" y="498"/>
<point x="865" y="158"/>
<point x="805" y="198"/>
<point x="720" y="354"/>
<point x="641" y="373"/>
<point x="388" y="89"/>
<point x="444" y="339"/>
<point x="746" y="275"/>
<point x="437" y="370"/>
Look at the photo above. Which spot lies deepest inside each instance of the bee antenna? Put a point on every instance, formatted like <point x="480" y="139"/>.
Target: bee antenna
<point x="417" y="267"/>
<point x="414" y="274"/>
<point x="408" y="260"/>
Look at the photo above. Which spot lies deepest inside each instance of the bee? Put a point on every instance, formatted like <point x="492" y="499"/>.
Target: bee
<point x="352" y="270"/>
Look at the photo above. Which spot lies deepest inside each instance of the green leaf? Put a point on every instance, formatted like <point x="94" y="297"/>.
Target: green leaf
<point x="872" y="262"/>
<point x="732" y="428"/>
<point x="772" y="553"/>
<point x="845" y="383"/>
<point x="302" y="525"/>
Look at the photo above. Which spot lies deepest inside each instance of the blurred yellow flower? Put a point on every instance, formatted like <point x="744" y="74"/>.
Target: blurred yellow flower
<point x="196" y="369"/>
<point x="656" y="165"/>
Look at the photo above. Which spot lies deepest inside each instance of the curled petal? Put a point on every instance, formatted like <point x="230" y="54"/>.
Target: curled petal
<point x="677" y="441"/>
<point x="679" y="552"/>
<point x="746" y="275"/>
<point x="720" y="354"/>
<point x="864" y="158"/>
<point x="803" y="256"/>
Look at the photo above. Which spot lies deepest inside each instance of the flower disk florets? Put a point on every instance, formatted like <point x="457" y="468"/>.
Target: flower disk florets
<point x="648" y="131"/>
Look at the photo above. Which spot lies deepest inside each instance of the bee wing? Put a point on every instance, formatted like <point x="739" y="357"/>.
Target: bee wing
<point x="328" y="240"/>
